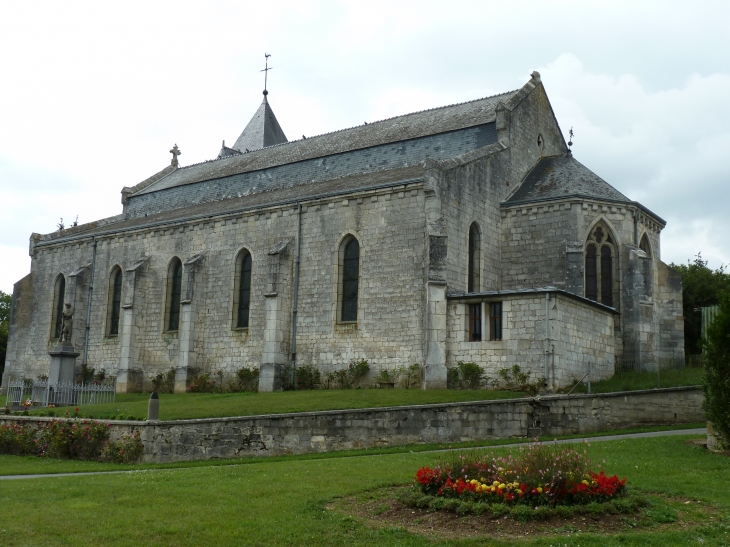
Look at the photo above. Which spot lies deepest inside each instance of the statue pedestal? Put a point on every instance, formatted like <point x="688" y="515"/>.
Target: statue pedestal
<point x="63" y="365"/>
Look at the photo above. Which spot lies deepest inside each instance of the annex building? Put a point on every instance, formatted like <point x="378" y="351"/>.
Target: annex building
<point x="463" y="233"/>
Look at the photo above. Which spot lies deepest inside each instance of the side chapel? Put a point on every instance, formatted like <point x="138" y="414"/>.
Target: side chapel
<point x="463" y="233"/>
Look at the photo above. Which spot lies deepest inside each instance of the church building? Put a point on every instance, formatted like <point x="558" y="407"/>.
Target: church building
<point x="466" y="233"/>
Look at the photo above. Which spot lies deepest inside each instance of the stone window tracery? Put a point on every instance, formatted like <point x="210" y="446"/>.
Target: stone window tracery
<point x="600" y="262"/>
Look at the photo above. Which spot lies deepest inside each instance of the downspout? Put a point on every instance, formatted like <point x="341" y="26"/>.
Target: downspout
<point x="292" y="375"/>
<point x="88" y="305"/>
<point x="547" y="339"/>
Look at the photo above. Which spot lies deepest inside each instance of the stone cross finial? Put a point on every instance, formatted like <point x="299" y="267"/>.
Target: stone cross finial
<point x="175" y="153"/>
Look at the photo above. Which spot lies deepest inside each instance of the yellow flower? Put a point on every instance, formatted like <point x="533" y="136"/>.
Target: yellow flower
<point x="539" y="489"/>
<point x="501" y="486"/>
<point x="496" y="483"/>
<point x="473" y="481"/>
<point x="584" y="482"/>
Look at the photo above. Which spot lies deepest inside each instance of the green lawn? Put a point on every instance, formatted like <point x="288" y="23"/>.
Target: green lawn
<point x="215" y="405"/>
<point x="283" y="502"/>
<point x="630" y="381"/>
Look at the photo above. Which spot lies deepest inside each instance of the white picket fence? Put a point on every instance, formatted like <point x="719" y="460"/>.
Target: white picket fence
<point x="27" y="392"/>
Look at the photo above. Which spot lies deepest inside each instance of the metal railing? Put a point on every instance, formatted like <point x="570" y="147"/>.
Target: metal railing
<point x="27" y="393"/>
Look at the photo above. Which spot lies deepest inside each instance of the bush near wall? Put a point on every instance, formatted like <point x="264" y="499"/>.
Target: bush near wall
<point x="71" y="439"/>
<point x="716" y="383"/>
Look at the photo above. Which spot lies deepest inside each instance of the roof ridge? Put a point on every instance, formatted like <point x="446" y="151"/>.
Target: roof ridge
<point x="355" y="127"/>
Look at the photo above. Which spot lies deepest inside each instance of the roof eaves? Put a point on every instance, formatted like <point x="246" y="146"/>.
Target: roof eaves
<point x="540" y="290"/>
<point x="234" y="211"/>
<point x="507" y="204"/>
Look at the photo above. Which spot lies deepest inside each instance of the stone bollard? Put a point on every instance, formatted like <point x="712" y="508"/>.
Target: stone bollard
<point x="153" y="409"/>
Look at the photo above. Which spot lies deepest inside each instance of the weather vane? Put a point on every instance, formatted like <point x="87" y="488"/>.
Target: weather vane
<point x="570" y="141"/>
<point x="266" y="73"/>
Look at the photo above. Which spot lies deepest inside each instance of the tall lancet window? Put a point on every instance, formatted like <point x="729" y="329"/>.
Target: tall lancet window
<point x="350" y="279"/>
<point x="115" y="301"/>
<point x="174" y="291"/>
<point x="473" y="281"/>
<point x="600" y="281"/>
<point x="243" y="284"/>
<point x="59" y="296"/>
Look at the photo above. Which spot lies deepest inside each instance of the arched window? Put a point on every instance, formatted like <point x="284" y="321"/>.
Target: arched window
<point x="648" y="269"/>
<point x="600" y="283"/>
<point x="59" y="296"/>
<point x="242" y="298"/>
<point x="473" y="281"/>
<point x="644" y="245"/>
<point x="115" y="301"/>
<point x="174" y="290"/>
<point x="591" y="279"/>
<point x="350" y="278"/>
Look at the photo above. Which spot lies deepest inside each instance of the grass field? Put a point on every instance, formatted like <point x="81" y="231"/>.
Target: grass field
<point x="214" y="405"/>
<point x="630" y="381"/>
<point x="284" y="502"/>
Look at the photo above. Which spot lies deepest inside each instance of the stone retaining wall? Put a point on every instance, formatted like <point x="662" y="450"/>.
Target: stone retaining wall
<point x="305" y="432"/>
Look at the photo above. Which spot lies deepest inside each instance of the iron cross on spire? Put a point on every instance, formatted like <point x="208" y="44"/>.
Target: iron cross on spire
<point x="266" y="73"/>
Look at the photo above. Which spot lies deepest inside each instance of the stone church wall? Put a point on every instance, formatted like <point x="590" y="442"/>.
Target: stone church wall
<point x="388" y="223"/>
<point x="581" y="338"/>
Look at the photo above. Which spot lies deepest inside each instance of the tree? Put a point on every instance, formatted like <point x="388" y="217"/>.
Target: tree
<point x="5" y="302"/>
<point x="716" y="382"/>
<point x="701" y="287"/>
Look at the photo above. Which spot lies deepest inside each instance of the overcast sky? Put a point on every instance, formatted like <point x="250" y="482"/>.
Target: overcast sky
<point x="94" y="94"/>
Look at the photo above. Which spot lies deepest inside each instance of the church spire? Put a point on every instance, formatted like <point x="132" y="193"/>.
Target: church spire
<point x="263" y="130"/>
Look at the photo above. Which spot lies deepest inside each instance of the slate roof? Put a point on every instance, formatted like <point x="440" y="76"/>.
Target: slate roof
<point x="409" y="126"/>
<point x="562" y="176"/>
<point x="340" y="185"/>
<point x="262" y="130"/>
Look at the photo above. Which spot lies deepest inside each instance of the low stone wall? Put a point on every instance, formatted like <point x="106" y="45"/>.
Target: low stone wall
<point x="304" y="432"/>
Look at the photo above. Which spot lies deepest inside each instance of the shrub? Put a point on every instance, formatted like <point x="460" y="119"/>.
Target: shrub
<point x="411" y="377"/>
<point x="246" y="379"/>
<point x="716" y="381"/>
<point x="202" y="384"/>
<point x="72" y="440"/>
<point x="470" y="374"/>
<point x="516" y="379"/>
<point x="18" y="439"/>
<point x="349" y="377"/>
<point x="308" y="377"/>
<point x="128" y="449"/>
<point x="87" y="374"/>
<point x="386" y="376"/>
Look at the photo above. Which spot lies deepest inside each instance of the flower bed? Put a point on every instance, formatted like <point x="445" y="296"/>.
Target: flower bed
<point x="540" y="475"/>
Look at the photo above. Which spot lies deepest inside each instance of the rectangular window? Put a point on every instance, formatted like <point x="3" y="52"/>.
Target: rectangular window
<point x="475" y="322"/>
<point x="495" y="321"/>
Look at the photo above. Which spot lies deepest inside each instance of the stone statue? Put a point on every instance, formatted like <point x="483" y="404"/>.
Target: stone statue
<point x="68" y="324"/>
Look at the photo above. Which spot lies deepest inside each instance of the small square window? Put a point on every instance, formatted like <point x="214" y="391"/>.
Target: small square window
<point x="495" y="321"/>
